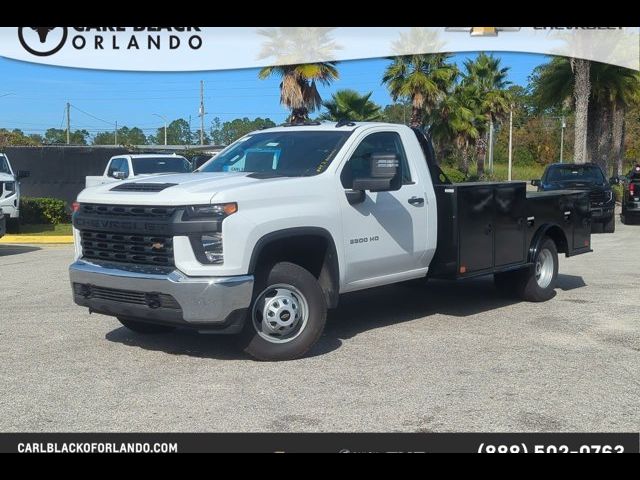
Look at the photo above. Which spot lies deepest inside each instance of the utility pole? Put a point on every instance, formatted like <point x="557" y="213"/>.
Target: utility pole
<point x="563" y="126"/>
<point x="115" y="135"/>
<point x="68" y="123"/>
<point x="201" y="112"/>
<point x="510" y="141"/>
<point x="491" y="146"/>
<point x="165" y="125"/>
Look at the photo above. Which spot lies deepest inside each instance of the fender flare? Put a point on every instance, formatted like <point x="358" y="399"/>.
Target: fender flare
<point x="540" y="234"/>
<point x="332" y="264"/>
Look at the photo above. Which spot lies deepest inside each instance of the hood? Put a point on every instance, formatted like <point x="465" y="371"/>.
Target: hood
<point x="6" y="177"/>
<point x="189" y="188"/>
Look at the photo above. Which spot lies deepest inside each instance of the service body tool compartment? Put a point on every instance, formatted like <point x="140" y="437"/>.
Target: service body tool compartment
<point x="481" y="228"/>
<point x="568" y="209"/>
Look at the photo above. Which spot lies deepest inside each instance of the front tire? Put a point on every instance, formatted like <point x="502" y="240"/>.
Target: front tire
<point x="287" y="314"/>
<point x="610" y="225"/>
<point x="144" y="327"/>
<point x="537" y="284"/>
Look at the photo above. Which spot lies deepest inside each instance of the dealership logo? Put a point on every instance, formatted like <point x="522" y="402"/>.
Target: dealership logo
<point x="45" y="41"/>
<point x="42" y="41"/>
<point x="482" y="31"/>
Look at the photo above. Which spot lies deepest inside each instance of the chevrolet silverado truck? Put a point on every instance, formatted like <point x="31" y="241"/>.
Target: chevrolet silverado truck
<point x="631" y="197"/>
<point x="124" y="167"/>
<point x="10" y="192"/>
<point x="585" y="176"/>
<point x="265" y="237"/>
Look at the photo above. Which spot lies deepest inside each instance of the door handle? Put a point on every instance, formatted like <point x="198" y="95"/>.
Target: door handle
<point x="416" y="201"/>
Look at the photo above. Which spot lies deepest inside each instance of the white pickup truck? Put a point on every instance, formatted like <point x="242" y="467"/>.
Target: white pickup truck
<point x="124" y="167"/>
<point x="10" y="192"/>
<point x="264" y="238"/>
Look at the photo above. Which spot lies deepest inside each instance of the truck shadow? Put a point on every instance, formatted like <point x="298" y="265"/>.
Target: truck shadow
<point x="358" y="312"/>
<point x="7" y="250"/>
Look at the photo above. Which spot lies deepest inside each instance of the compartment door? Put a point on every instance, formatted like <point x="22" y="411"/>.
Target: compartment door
<point x="510" y="222"/>
<point x="475" y="210"/>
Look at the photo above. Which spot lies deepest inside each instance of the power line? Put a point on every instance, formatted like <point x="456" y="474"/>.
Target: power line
<point x="93" y="116"/>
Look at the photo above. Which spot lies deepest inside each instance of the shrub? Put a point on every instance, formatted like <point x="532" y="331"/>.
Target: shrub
<point x="617" y="191"/>
<point x="50" y="211"/>
<point x="455" y="175"/>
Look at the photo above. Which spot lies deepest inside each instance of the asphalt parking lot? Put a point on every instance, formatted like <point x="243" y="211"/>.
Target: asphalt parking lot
<point x="445" y="357"/>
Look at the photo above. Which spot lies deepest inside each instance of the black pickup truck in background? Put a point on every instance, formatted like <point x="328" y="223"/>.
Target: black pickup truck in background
<point x="631" y="197"/>
<point x="589" y="177"/>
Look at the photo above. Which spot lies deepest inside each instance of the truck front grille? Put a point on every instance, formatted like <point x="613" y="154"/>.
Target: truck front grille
<point x="152" y="300"/>
<point x="598" y="198"/>
<point x="127" y="210"/>
<point x="129" y="248"/>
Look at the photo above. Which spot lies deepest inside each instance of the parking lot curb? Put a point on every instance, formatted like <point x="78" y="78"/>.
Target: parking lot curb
<point x="35" y="239"/>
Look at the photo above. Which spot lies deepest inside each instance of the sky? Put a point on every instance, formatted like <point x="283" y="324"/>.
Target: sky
<point x="37" y="94"/>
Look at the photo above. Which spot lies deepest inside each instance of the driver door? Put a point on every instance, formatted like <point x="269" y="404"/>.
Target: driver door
<point x="386" y="234"/>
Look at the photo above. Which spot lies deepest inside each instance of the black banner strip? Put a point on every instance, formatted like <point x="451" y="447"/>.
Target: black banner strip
<point x="319" y="442"/>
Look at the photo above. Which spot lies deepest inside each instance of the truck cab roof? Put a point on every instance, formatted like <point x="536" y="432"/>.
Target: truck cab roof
<point x="328" y="126"/>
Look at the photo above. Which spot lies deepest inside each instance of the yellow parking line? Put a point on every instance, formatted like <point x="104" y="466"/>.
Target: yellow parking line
<point x="37" y="239"/>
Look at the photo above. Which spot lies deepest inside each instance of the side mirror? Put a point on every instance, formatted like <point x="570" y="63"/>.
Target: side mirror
<point x="614" y="180"/>
<point x="384" y="174"/>
<point x="20" y="174"/>
<point x="535" y="183"/>
<point x="119" y="175"/>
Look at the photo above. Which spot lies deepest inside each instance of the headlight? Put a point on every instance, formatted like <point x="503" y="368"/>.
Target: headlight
<point x="212" y="248"/>
<point x="207" y="246"/>
<point x="218" y="210"/>
<point x="10" y="187"/>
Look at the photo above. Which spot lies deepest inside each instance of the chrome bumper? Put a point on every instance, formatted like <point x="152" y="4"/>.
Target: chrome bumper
<point x="202" y="302"/>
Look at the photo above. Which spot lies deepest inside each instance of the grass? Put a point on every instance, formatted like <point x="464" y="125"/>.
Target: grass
<point x="518" y="172"/>
<point x="40" y="230"/>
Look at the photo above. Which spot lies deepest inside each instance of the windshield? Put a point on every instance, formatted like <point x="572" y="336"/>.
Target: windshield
<point x="147" y="165"/>
<point x="4" y="165"/>
<point x="575" y="173"/>
<point x="292" y="154"/>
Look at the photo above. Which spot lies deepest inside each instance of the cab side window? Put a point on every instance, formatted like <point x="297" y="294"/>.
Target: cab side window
<point x="124" y="167"/>
<point x="113" y="167"/>
<point x="381" y="142"/>
<point x="118" y="165"/>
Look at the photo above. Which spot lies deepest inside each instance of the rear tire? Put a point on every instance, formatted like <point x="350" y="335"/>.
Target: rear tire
<point x="287" y="314"/>
<point x="537" y="283"/>
<point x="144" y="327"/>
<point x="610" y="225"/>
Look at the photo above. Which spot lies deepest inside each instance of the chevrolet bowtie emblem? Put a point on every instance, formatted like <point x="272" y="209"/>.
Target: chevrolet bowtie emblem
<point x="157" y="246"/>
<point x="482" y="31"/>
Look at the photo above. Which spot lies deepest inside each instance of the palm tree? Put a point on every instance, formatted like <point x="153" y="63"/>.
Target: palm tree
<point x="612" y="89"/>
<point x="350" y="105"/>
<point x="455" y="121"/>
<point x="581" y="92"/>
<point x="293" y="50"/>
<point x="487" y="80"/>
<point x="421" y="79"/>
<point x="298" y="89"/>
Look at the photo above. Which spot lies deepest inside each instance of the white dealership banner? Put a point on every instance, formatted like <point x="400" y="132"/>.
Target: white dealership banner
<point x="221" y="48"/>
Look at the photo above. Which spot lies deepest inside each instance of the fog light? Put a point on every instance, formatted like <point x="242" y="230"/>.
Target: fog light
<point x="212" y="246"/>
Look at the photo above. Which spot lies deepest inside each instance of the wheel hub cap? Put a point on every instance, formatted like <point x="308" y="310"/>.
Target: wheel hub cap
<point x="544" y="268"/>
<point x="280" y="313"/>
